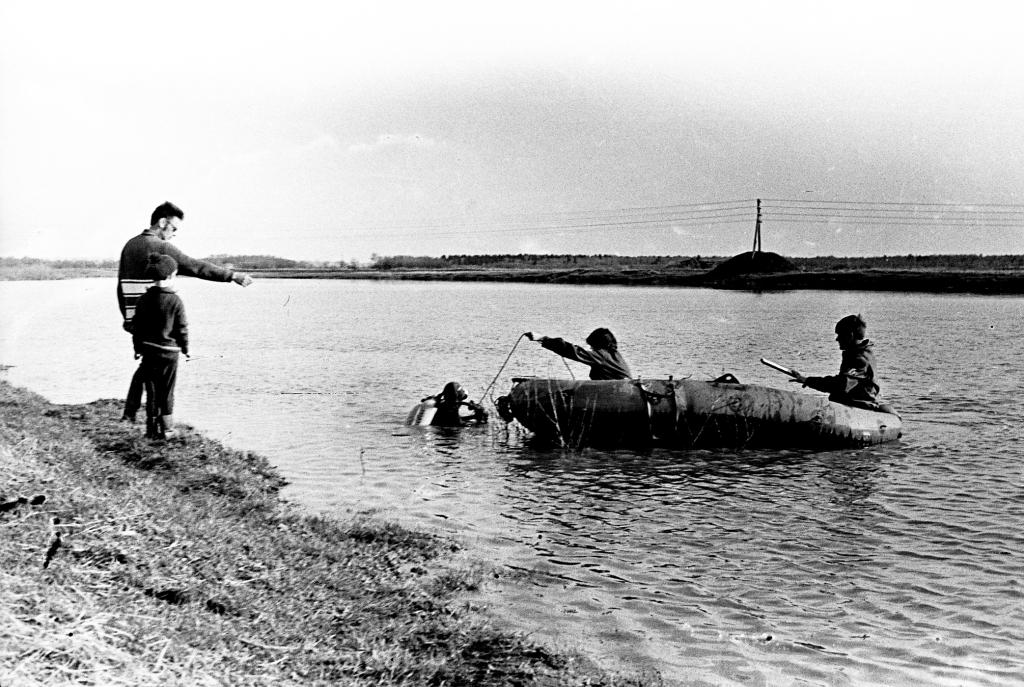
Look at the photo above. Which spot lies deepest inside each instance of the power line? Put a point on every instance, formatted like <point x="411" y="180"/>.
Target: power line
<point x="673" y="212"/>
<point x="711" y="214"/>
<point x="898" y="222"/>
<point x="882" y="213"/>
<point x="652" y="223"/>
<point x="891" y="203"/>
<point x="680" y="207"/>
<point x="724" y="214"/>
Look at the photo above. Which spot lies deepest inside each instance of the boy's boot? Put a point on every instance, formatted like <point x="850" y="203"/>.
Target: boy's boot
<point x="152" y="427"/>
<point x="165" y="426"/>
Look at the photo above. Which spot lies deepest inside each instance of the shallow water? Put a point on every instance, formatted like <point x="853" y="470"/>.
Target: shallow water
<point x="896" y="564"/>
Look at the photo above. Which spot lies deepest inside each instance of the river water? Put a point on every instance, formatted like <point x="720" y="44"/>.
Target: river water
<point x="895" y="564"/>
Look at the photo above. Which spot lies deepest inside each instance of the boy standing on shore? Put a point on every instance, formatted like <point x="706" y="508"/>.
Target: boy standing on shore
<point x="160" y="333"/>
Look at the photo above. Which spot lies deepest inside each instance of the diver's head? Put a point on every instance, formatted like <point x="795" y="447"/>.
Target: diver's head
<point x="452" y="393"/>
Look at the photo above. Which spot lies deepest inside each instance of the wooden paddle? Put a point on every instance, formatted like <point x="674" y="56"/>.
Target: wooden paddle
<point x="780" y="368"/>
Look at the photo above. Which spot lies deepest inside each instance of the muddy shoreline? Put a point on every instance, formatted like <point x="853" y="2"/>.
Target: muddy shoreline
<point x="130" y="561"/>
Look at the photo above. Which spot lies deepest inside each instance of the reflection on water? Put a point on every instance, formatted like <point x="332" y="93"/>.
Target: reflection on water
<point x="893" y="564"/>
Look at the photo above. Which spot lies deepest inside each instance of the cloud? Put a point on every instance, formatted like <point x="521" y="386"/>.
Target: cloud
<point x="682" y="231"/>
<point x="273" y="157"/>
<point x="394" y="140"/>
<point x="322" y="142"/>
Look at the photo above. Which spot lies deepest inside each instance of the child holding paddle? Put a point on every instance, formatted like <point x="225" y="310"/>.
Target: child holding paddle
<point x="855" y="384"/>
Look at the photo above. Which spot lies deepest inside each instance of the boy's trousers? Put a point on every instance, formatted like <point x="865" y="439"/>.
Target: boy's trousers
<point x="159" y="372"/>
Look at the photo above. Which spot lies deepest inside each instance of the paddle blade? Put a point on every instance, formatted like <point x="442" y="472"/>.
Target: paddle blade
<point x="776" y="366"/>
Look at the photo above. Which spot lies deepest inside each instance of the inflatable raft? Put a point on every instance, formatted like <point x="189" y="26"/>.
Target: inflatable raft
<point x="688" y="413"/>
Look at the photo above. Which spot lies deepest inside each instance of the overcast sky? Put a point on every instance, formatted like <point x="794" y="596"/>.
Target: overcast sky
<point x="330" y="130"/>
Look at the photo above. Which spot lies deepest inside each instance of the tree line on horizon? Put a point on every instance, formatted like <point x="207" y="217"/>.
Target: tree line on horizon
<point x="698" y="262"/>
<point x="559" y="261"/>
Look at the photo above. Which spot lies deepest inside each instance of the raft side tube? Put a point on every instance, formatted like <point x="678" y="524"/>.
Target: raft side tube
<point x="689" y="413"/>
<point x="750" y="415"/>
<point x="577" y="413"/>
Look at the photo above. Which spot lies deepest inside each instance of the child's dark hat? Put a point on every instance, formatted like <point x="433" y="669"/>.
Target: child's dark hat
<point x="160" y="267"/>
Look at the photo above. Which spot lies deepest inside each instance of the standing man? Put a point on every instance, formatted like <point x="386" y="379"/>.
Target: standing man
<point x="132" y="281"/>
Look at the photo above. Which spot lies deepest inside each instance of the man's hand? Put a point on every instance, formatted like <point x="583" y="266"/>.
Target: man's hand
<point x="479" y="413"/>
<point x="798" y="378"/>
<point x="241" y="278"/>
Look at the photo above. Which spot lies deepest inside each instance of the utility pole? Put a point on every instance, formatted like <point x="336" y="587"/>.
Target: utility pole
<point x="757" y="233"/>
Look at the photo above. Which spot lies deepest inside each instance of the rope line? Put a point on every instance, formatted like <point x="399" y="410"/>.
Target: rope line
<point x="500" y="369"/>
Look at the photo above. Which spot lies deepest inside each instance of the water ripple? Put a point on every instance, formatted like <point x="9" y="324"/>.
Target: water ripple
<point x="896" y="564"/>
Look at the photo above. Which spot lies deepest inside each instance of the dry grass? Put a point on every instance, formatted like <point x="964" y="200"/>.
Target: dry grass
<point x="164" y="563"/>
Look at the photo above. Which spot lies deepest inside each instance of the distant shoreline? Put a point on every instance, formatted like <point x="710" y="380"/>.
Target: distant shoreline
<point x="924" y="280"/>
<point x="974" y="282"/>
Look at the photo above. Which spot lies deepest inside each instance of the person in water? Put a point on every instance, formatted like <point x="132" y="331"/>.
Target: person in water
<point x="855" y="384"/>
<point x="448" y="403"/>
<point x="604" y="358"/>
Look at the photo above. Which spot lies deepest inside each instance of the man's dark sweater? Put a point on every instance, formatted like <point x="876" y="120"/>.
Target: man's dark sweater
<point x="131" y="272"/>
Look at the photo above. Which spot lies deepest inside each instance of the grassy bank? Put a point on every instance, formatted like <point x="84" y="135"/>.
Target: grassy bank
<point x="131" y="562"/>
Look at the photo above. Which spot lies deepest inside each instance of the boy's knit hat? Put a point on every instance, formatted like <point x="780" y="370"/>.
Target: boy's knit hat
<point x="852" y="323"/>
<point x="160" y="266"/>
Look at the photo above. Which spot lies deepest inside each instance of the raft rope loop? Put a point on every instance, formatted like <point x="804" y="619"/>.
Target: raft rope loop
<point x="507" y="358"/>
<point x="500" y="369"/>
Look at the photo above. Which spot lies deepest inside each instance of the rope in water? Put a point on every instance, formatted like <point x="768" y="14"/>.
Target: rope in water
<point x="500" y="369"/>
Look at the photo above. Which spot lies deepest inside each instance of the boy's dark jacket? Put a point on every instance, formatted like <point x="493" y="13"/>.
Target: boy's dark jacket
<point x="856" y="378"/>
<point x="160" y="325"/>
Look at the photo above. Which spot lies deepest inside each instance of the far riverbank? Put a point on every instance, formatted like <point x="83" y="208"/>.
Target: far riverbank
<point x="975" y="274"/>
<point x="928" y="281"/>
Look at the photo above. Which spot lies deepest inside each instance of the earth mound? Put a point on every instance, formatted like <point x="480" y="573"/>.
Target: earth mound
<point x="751" y="263"/>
